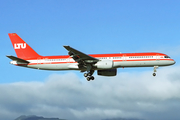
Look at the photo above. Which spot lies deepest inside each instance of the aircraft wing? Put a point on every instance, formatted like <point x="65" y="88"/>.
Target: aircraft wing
<point x="80" y="57"/>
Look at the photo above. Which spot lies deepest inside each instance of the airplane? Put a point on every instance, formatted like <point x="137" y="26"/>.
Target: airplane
<point x="105" y="64"/>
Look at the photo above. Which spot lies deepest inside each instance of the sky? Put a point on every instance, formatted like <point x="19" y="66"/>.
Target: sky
<point x="92" y="27"/>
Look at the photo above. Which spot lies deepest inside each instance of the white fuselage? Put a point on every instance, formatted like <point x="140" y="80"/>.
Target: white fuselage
<point x="119" y="61"/>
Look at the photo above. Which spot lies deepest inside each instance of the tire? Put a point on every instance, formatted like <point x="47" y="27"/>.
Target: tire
<point x="88" y="78"/>
<point x="88" y="74"/>
<point x="92" y="78"/>
<point x="154" y="74"/>
<point x="85" y="74"/>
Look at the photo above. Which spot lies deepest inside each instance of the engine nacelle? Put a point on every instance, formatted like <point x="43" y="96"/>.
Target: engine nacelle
<point x="104" y="64"/>
<point x="108" y="72"/>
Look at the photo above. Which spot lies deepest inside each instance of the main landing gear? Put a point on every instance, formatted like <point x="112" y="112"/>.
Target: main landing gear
<point x="89" y="75"/>
<point x="155" y="67"/>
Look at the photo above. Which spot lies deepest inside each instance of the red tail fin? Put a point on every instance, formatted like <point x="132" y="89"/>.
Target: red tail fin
<point x="22" y="49"/>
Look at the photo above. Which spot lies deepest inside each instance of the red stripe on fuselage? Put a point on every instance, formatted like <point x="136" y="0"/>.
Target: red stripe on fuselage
<point x="102" y="55"/>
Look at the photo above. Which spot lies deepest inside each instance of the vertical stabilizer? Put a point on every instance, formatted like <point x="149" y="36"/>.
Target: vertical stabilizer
<point x="22" y="49"/>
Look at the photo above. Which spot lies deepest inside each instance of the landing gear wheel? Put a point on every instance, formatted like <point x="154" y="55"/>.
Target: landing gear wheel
<point x="92" y="77"/>
<point x="154" y="74"/>
<point x="155" y="67"/>
<point x="85" y="74"/>
<point x="88" y="78"/>
<point x="89" y="74"/>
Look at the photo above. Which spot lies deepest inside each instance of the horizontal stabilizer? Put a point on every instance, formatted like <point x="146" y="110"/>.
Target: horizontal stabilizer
<point x="17" y="59"/>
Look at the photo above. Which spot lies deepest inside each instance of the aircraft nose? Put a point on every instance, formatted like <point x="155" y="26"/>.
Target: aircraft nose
<point x="174" y="61"/>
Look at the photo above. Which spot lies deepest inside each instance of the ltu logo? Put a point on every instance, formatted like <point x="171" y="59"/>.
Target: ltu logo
<point x="20" y="45"/>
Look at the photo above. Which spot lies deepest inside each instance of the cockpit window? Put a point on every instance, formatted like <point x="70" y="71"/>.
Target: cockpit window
<point x="166" y="57"/>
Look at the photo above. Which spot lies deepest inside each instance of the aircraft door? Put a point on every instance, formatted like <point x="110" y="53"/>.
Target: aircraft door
<point x="68" y="60"/>
<point x="124" y="58"/>
<point x="39" y="61"/>
<point x="157" y="57"/>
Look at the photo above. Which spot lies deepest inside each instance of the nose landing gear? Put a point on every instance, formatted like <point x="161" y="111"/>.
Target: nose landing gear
<point x="155" y="67"/>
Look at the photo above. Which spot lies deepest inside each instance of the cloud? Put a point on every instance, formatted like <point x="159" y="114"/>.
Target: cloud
<point x="128" y="95"/>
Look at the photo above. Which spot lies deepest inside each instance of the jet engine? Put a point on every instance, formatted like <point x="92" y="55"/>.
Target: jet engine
<point x="108" y="72"/>
<point x="104" y="64"/>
